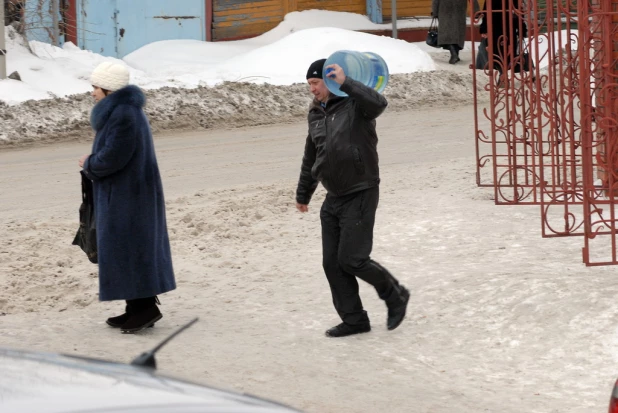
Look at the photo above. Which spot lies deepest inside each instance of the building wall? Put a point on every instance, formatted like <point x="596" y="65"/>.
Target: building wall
<point x="351" y="6"/>
<point x="238" y="19"/>
<point x="119" y="27"/>
<point x="96" y="28"/>
<point x="37" y="21"/>
<point x="406" y="8"/>
<point x="139" y="22"/>
<point x="233" y="19"/>
<point x="411" y="8"/>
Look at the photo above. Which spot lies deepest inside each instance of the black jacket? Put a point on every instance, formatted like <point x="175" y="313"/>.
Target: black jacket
<point x="341" y="148"/>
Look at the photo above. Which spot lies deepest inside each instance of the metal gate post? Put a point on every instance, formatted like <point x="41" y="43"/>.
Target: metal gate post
<point x="600" y="130"/>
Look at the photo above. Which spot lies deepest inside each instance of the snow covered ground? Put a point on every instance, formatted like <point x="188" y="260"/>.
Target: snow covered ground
<point x="501" y="320"/>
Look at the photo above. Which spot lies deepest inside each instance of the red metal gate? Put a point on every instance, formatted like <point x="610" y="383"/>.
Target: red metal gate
<point x="545" y="129"/>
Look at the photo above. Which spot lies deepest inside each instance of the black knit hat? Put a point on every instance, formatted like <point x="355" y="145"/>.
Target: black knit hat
<point x="315" y="70"/>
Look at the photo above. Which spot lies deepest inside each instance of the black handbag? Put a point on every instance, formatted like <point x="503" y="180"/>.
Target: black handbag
<point x="481" y="55"/>
<point x="86" y="236"/>
<point x="432" y="34"/>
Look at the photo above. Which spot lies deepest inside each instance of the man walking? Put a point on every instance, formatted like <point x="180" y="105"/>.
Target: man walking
<point x="341" y="153"/>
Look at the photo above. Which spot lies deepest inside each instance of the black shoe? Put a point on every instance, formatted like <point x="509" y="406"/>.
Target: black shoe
<point x="141" y="320"/>
<point x="118" y="321"/>
<point x="397" y="310"/>
<point x="344" y="329"/>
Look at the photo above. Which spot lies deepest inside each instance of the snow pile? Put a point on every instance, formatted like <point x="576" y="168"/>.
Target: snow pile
<point x="283" y="62"/>
<point x="310" y="19"/>
<point x="46" y="71"/>
<point x="279" y="57"/>
<point x="181" y="57"/>
<point x="561" y="41"/>
<point x="223" y="106"/>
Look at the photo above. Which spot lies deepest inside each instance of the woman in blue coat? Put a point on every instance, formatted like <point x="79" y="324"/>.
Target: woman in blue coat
<point x="135" y="262"/>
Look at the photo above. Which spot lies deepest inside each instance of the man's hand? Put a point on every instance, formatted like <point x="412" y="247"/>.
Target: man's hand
<point x="302" y="207"/>
<point x="336" y="73"/>
<point x="484" y="35"/>
<point x="82" y="160"/>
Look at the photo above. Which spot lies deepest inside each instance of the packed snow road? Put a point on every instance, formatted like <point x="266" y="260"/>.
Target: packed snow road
<point x="500" y="319"/>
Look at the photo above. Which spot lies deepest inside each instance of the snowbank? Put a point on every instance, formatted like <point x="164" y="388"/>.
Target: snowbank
<point x="283" y="62"/>
<point x="46" y="71"/>
<point x="310" y="19"/>
<point x="561" y="40"/>
<point x="278" y="57"/>
<point x="227" y="105"/>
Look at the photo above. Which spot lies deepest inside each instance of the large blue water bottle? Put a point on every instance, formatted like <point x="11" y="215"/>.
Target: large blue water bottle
<point x="366" y="67"/>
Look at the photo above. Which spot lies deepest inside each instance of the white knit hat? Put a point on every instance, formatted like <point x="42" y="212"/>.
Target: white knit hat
<point x="110" y="76"/>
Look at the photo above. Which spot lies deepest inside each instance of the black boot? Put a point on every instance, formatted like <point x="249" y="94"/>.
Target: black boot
<point x="344" y="329"/>
<point x="454" y="54"/>
<point x="118" y="321"/>
<point x="397" y="303"/>
<point x="144" y="313"/>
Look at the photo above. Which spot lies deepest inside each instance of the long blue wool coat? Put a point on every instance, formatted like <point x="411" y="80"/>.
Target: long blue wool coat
<point x="133" y="245"/>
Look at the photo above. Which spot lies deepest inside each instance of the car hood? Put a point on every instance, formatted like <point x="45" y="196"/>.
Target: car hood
<point x="54" y="383"/>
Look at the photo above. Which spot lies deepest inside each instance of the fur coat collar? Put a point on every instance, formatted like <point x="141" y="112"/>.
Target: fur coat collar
<point x="128" y="95"/>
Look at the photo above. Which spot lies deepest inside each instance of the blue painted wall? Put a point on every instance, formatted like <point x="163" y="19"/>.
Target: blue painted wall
<point x="38" y="21"/>
<point x="141" y="22"/>
<point x="96" y="26"/>
<point x="119" y="27"/>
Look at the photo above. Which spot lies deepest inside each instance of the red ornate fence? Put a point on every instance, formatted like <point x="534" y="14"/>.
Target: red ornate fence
<point x="548" y="133"/>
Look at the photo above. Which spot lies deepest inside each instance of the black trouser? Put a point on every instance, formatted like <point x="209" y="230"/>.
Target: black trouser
<point x="347" y="240"/>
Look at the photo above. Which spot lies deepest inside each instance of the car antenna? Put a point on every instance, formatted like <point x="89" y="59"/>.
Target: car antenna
<point x="147" y="359"/>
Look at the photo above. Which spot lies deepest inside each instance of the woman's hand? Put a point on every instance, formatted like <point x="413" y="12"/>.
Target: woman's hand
<point x="82" y="160"/>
